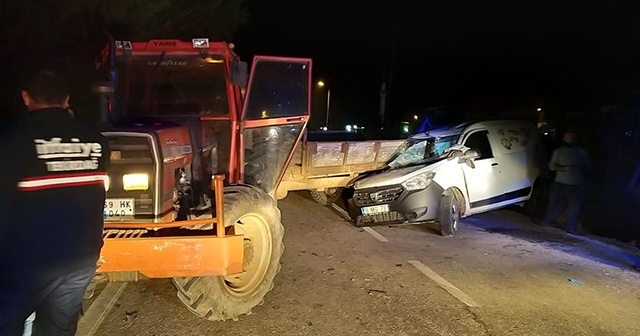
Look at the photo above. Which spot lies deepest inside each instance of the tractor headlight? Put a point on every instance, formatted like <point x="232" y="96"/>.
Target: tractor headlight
<point x="135" y="182"/>
<point x="419" y="182"/>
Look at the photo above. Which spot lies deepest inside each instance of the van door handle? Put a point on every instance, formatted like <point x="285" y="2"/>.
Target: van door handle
<point x="494" y="164"/>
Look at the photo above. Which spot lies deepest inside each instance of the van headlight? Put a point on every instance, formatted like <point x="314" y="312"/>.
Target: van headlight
<point x="135" y="182"/>
<point x="419" y="182"/>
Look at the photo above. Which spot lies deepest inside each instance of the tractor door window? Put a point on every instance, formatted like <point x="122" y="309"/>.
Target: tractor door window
<point x="279" y="89"/>
<point x="479" y="141"/>
<point x="266" y="150"/>
<point x="275" y="113"/>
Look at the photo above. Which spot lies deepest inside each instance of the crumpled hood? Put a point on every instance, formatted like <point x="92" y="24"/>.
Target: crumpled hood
<point x="391" y="177"/>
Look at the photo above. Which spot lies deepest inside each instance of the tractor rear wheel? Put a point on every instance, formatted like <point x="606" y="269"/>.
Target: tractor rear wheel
<point x="255" y="215"/>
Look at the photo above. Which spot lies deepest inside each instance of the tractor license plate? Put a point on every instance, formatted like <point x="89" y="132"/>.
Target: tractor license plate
<point x="119" y="208"/>
<point x="376" y="209"/>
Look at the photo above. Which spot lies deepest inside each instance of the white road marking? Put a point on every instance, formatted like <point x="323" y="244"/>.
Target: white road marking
<point x="96" y="313"/>
<point x="446" y="285"/>
<point x="341" y="211"/>
<point x="376" y="234"/>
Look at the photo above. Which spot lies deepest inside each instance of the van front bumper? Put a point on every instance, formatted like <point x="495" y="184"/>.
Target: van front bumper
<point x="394" y="204"/>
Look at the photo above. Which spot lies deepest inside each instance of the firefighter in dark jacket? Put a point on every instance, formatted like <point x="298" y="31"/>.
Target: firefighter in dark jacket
<point x="53" y="174"/>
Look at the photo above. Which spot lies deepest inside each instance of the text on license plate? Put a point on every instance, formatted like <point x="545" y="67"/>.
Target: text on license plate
<point x="119" y="207"/>
<point x="376" y="209"/>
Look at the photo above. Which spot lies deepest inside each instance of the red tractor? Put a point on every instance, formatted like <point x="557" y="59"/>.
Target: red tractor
<point x="195" y="165"/>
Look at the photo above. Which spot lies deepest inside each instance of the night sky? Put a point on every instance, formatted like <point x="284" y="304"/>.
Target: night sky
<point x="499" y="55"/>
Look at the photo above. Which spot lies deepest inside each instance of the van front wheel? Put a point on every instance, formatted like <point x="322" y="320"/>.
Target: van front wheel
<point x="449" y="214"/>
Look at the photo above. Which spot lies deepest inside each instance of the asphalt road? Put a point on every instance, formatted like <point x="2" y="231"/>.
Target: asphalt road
<point x="501" y="275"/>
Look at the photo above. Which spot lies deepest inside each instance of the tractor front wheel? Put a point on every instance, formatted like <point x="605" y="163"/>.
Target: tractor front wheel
<point x="255" y="215"/>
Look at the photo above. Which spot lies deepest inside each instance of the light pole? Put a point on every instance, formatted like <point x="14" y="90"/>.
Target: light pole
<point x="322" y="84"/>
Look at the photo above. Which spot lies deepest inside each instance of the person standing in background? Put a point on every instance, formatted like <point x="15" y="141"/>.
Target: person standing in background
<point x="570" y="163"/>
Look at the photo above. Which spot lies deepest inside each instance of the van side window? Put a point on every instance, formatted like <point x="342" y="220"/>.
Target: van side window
<point x="479" y="141"/>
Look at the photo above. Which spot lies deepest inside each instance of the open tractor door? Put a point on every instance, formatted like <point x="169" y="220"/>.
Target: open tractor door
<point x="196" y="159"/>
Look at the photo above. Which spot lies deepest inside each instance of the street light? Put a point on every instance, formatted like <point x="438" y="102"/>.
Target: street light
<point x="322" y="84"/>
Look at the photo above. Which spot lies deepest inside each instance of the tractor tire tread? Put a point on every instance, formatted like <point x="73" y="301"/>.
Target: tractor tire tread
<point x="207" y="296"/>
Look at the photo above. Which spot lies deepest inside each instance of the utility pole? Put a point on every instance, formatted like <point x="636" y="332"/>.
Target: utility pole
<point x="326" y="123"/>
<point x="383" y="97"/>
<point x="386" y="87"/>
<point x="321" y="84"/>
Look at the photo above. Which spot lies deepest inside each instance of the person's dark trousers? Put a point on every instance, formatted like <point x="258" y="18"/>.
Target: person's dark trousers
<point x="56" y="297"/>
<point x="561" y="195"/>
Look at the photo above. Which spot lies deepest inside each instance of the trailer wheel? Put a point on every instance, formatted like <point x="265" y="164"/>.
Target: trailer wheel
<point x="326" y="197"/>
<point x="450" y="212"/>
<point x="256" y="215"/>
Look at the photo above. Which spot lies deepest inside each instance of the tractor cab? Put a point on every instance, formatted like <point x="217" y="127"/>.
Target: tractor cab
<point x="180" y="112"/>
<point x="197" y="153"/>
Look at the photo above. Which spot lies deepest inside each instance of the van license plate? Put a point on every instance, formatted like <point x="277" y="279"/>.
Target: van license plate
<point x="119" y="208"/>
<point x="376" y="209"/>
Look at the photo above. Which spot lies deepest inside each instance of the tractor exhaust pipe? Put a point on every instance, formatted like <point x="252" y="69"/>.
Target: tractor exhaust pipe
<point x="105" y="89"/>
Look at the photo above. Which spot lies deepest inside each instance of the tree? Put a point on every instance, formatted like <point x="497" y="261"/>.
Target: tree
<point x="68" y="34"/>
<point x="215" y="19"/>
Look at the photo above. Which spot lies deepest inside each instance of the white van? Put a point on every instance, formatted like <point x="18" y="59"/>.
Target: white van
<point x="451" y="172"/>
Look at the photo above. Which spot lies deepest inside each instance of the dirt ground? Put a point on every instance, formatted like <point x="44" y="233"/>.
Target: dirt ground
<point x="501" y="275"/>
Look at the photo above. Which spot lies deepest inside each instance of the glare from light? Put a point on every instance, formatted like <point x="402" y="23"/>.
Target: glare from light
<point x="273" y="133"/>
<point x="200" y="43"/>
<point x="415" y="117"/>
<point x="135" y="182"/>
<point x="264" y="114"/>
<point x="213" y="60"/>
<point x="348" y="128"/>
<point x="321" y="84"/>
<point x="324" y="128"/>
<point x="405" y="129"/>
<point x="106" y="183"/>
<point x="539" y="109"/>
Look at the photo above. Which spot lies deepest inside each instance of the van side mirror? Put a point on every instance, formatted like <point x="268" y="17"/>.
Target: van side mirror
<point x="468" y="157"/>
<point x="471" y="154"/>
<point x="239" y="75"/>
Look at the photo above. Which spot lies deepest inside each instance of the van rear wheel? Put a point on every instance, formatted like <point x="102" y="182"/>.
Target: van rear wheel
<point x="537" y="204"/>
<point x="450" y="213"/>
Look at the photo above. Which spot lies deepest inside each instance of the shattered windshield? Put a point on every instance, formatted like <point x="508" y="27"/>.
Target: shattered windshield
<point x="172" y="85"/>
<point x="421" y="151"/>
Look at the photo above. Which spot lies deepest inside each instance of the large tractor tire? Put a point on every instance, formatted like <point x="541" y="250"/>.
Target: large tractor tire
<point x="255" y="215"/>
